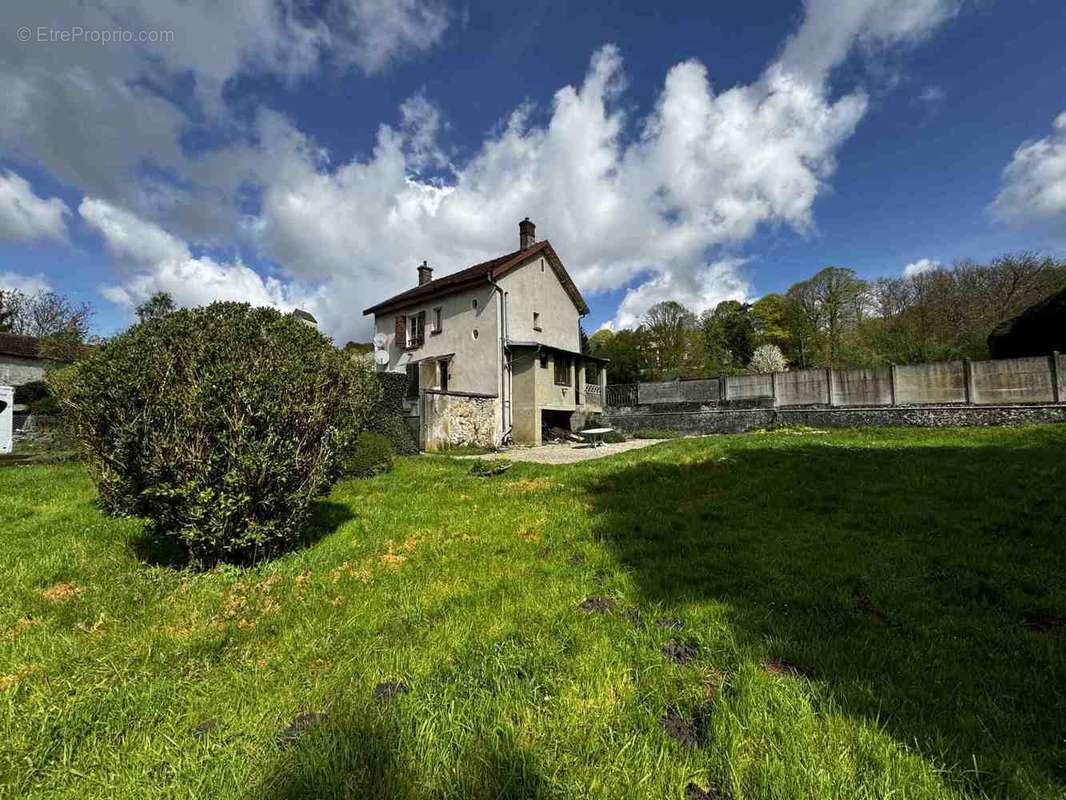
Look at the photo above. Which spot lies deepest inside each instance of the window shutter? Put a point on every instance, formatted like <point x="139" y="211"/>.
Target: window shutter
<point x="401" y="328"/>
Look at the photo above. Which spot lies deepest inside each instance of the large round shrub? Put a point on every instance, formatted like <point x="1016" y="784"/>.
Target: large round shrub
<point x="221" y="425"/>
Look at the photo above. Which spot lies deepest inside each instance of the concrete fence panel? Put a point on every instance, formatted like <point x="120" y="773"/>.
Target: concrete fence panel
<point x="1060" y="374"/>
<point x="867" y="386"/>
<point x="708" y="391"/>
<point x="1013" y="380"/>
<point x="941" y="382"/>
<point x="804" y="387"/>
<point x="746" y="387"/>
<point x="665" y="392"/>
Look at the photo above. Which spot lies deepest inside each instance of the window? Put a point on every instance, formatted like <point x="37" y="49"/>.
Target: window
<point x="412" y="381"/>
<point x="536" y="320"/>
<point x="442" y="374"/>
<point x="474" y="334"/>
<point x="473" y="304"/>
<point x="416" y="330"/>
<point x="438" y="322"/>
<point x="562" y="370"/>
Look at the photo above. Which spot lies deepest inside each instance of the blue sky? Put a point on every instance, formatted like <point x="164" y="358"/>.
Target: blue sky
<point x="703" y="151"/>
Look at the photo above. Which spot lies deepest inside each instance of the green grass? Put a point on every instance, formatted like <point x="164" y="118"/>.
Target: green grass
<point x="908" y="586"/>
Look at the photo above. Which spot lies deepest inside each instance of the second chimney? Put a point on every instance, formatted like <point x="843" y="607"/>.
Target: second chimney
<point x="527" y="234"/>
<point x="425" y="273"/>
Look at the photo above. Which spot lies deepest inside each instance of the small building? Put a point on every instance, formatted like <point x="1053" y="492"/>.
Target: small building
<point x="493" y="352"/>
<point x="21" y="361"/>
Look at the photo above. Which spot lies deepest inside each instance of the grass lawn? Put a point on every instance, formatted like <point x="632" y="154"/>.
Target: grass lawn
<point x="864" y="614"/>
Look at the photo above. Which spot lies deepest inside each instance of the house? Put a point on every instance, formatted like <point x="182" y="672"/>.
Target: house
<point x="21" y="361"/>
<point x="492" y="352"/>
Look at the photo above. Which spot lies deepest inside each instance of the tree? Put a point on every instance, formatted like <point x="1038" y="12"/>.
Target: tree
<point x="625" y="349"/>
<point x="768" y="358"/>
<point x="7" y="312"/>
<point x="823" y="311"/>
<point x="158" y="305"/>
<point x="669" y="328"/>
<point x="769" y="320"/>
<point x="726" y="338"/>
<point x="46" y="314"/>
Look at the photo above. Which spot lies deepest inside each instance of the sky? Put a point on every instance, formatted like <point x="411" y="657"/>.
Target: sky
<point x="312" y="154"/>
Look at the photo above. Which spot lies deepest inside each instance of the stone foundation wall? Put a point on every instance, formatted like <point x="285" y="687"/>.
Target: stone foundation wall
<point x="707" y="419"/>
<point x="452" y="419"/>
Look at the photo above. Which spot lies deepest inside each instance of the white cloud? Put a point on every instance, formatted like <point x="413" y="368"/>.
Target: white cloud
<point x="25" y="216"/>
<point x="28" y="284"/>
<point x="661" y="200"/>
<point x="719" y="281"/>
<point x="68" y="106"/>
<point x="920" y="266"/>
<point x="706" y="171"/>
<point x="153" y="260"/>
<point x="1034" y="183"/>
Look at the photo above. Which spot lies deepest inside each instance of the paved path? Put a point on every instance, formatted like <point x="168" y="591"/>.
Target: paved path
<point x="567" y="452"/>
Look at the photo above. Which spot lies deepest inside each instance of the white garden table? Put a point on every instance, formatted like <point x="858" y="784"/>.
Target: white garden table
<point x="594" y="436"/>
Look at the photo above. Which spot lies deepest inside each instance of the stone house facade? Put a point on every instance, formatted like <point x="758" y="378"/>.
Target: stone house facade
<point x="500" y="338"/>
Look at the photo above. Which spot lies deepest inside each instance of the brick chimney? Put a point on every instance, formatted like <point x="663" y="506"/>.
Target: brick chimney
<point x="425" y="273"/>
<point x="527" y="234"/>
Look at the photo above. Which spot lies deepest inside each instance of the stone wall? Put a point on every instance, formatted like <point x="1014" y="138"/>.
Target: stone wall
<point x="707" y="420"/>
<point x="458" y="418"/>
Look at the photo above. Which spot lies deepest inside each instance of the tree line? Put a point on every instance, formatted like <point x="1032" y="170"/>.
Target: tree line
<point x="835" y="319"/>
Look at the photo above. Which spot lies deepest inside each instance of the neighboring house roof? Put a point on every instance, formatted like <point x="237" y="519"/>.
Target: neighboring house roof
<point x="304" y="315"/>
<point x="492" y="269"/>
<point x="12" y="344"/>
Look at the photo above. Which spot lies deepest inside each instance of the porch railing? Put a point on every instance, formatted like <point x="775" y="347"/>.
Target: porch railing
<point x="593" y="395"/>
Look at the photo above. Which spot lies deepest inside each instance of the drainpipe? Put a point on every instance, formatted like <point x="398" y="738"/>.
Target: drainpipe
<point x="506" y="414"/>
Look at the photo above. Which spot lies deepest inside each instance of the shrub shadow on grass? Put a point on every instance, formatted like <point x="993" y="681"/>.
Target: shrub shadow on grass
<point x="367" y="753"/>
<point x="160" y="550"/>
<point x="901" y="577"/>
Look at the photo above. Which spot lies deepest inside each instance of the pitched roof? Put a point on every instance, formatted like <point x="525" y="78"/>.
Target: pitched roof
<point x="486" y="270"/>
<point x="12" y="344"/>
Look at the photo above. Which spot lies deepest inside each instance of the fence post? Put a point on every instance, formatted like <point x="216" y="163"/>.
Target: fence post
<point x="892" y="383"/>
<point x="967" y="375"/>
<point x="1056" y="396"/>
<point x="723" y="390"/>
<point x="773" y="387"/>
<point x="829" y="385"/>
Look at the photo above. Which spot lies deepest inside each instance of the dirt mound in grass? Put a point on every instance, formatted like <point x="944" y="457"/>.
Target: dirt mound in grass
<point x="597" y="605"/>
<point x="389" y="689"/>
<point x="680" y="652"/>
